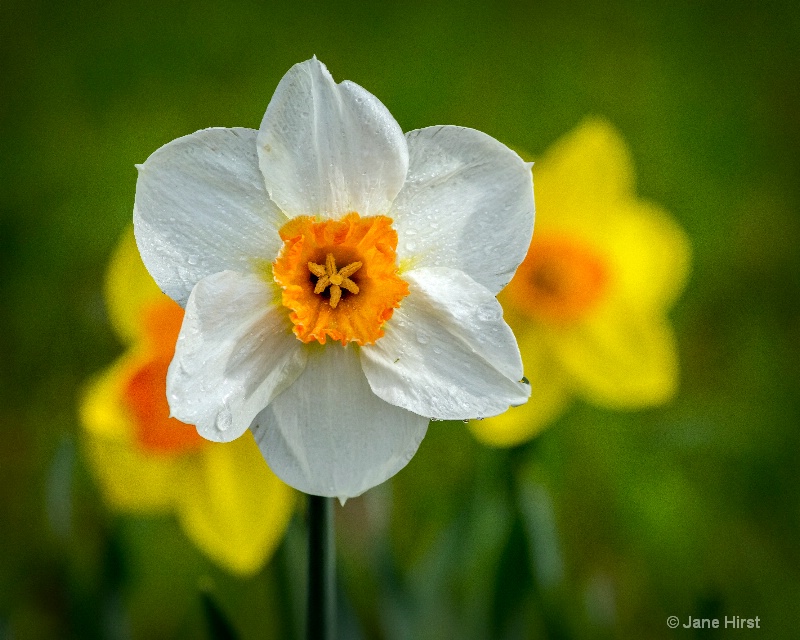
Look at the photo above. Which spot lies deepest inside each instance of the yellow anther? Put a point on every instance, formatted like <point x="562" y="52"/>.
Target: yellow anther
<point x="336" y="295"/>
<point x="350" y="269"/>
<point x="351" y="286"/>
<point x="317" y="269"/>
<point x="328" y="276"/>
<point x="322" y="284"/>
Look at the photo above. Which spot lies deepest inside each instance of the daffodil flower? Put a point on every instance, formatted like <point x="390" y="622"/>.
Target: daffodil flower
<point x="589" y="302"/>
<point x="339" y="279"/>
<point x="228" y="502"/>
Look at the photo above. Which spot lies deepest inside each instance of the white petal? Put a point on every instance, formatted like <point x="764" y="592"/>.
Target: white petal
<point x="235" y="353"/>
<point x="202" y="207"/>
<point x="329" y="435"/>
<point x="446" y="352"/>
<point x="467" y="204"/>
<point x="328" y="149"/>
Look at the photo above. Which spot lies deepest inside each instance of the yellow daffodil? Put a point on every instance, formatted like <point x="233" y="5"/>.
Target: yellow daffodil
<point x="227" y="501"/>
<point x="339" y="279"/>
<point x="589" y="302"/>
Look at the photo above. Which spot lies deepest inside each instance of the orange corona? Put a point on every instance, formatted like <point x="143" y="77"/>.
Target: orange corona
<point x="560" y="281"/>
<point x="339" y="278"/>
<point x="145" y="391"/>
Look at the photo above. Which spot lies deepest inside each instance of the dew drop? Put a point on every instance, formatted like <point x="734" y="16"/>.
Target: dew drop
<point x="422" y="337"/>
<point x="224" y="419"/>
<point x="489" y="312"/>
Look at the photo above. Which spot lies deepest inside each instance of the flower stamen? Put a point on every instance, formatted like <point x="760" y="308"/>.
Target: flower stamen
<point x="337" y="280"/>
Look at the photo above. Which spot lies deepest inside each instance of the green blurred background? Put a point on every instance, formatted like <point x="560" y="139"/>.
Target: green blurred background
<point x="600" y="528"/>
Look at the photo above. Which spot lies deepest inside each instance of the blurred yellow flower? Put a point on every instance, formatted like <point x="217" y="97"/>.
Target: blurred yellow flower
<point x="589" y="302"/>
<point x="227" y="500"/>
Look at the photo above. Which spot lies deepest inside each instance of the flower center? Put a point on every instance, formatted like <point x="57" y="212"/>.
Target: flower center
<point x="145" y="391"/>
<point x="560" y="281"/>
<point x="348" y="304"/>
<point x="328" y="276"/>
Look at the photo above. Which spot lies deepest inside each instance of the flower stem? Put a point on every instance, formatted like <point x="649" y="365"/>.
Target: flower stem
<point x="321" y="570"/>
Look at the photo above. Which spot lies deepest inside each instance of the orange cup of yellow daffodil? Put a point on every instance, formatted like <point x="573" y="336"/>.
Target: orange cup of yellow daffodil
<point x="227" y="500"/>
<point x="589" y="302"/>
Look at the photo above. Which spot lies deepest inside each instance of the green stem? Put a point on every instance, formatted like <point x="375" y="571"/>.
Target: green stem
<point x="321" y="614"/>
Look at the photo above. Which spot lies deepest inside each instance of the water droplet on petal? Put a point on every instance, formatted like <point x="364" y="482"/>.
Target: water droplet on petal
<point x="422" y="337"/>
<point x="224" y="419"/>
<point x="489" y="312"/>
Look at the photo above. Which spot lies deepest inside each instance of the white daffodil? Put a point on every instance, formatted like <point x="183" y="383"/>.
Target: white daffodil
<point x="339" y="279"/>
